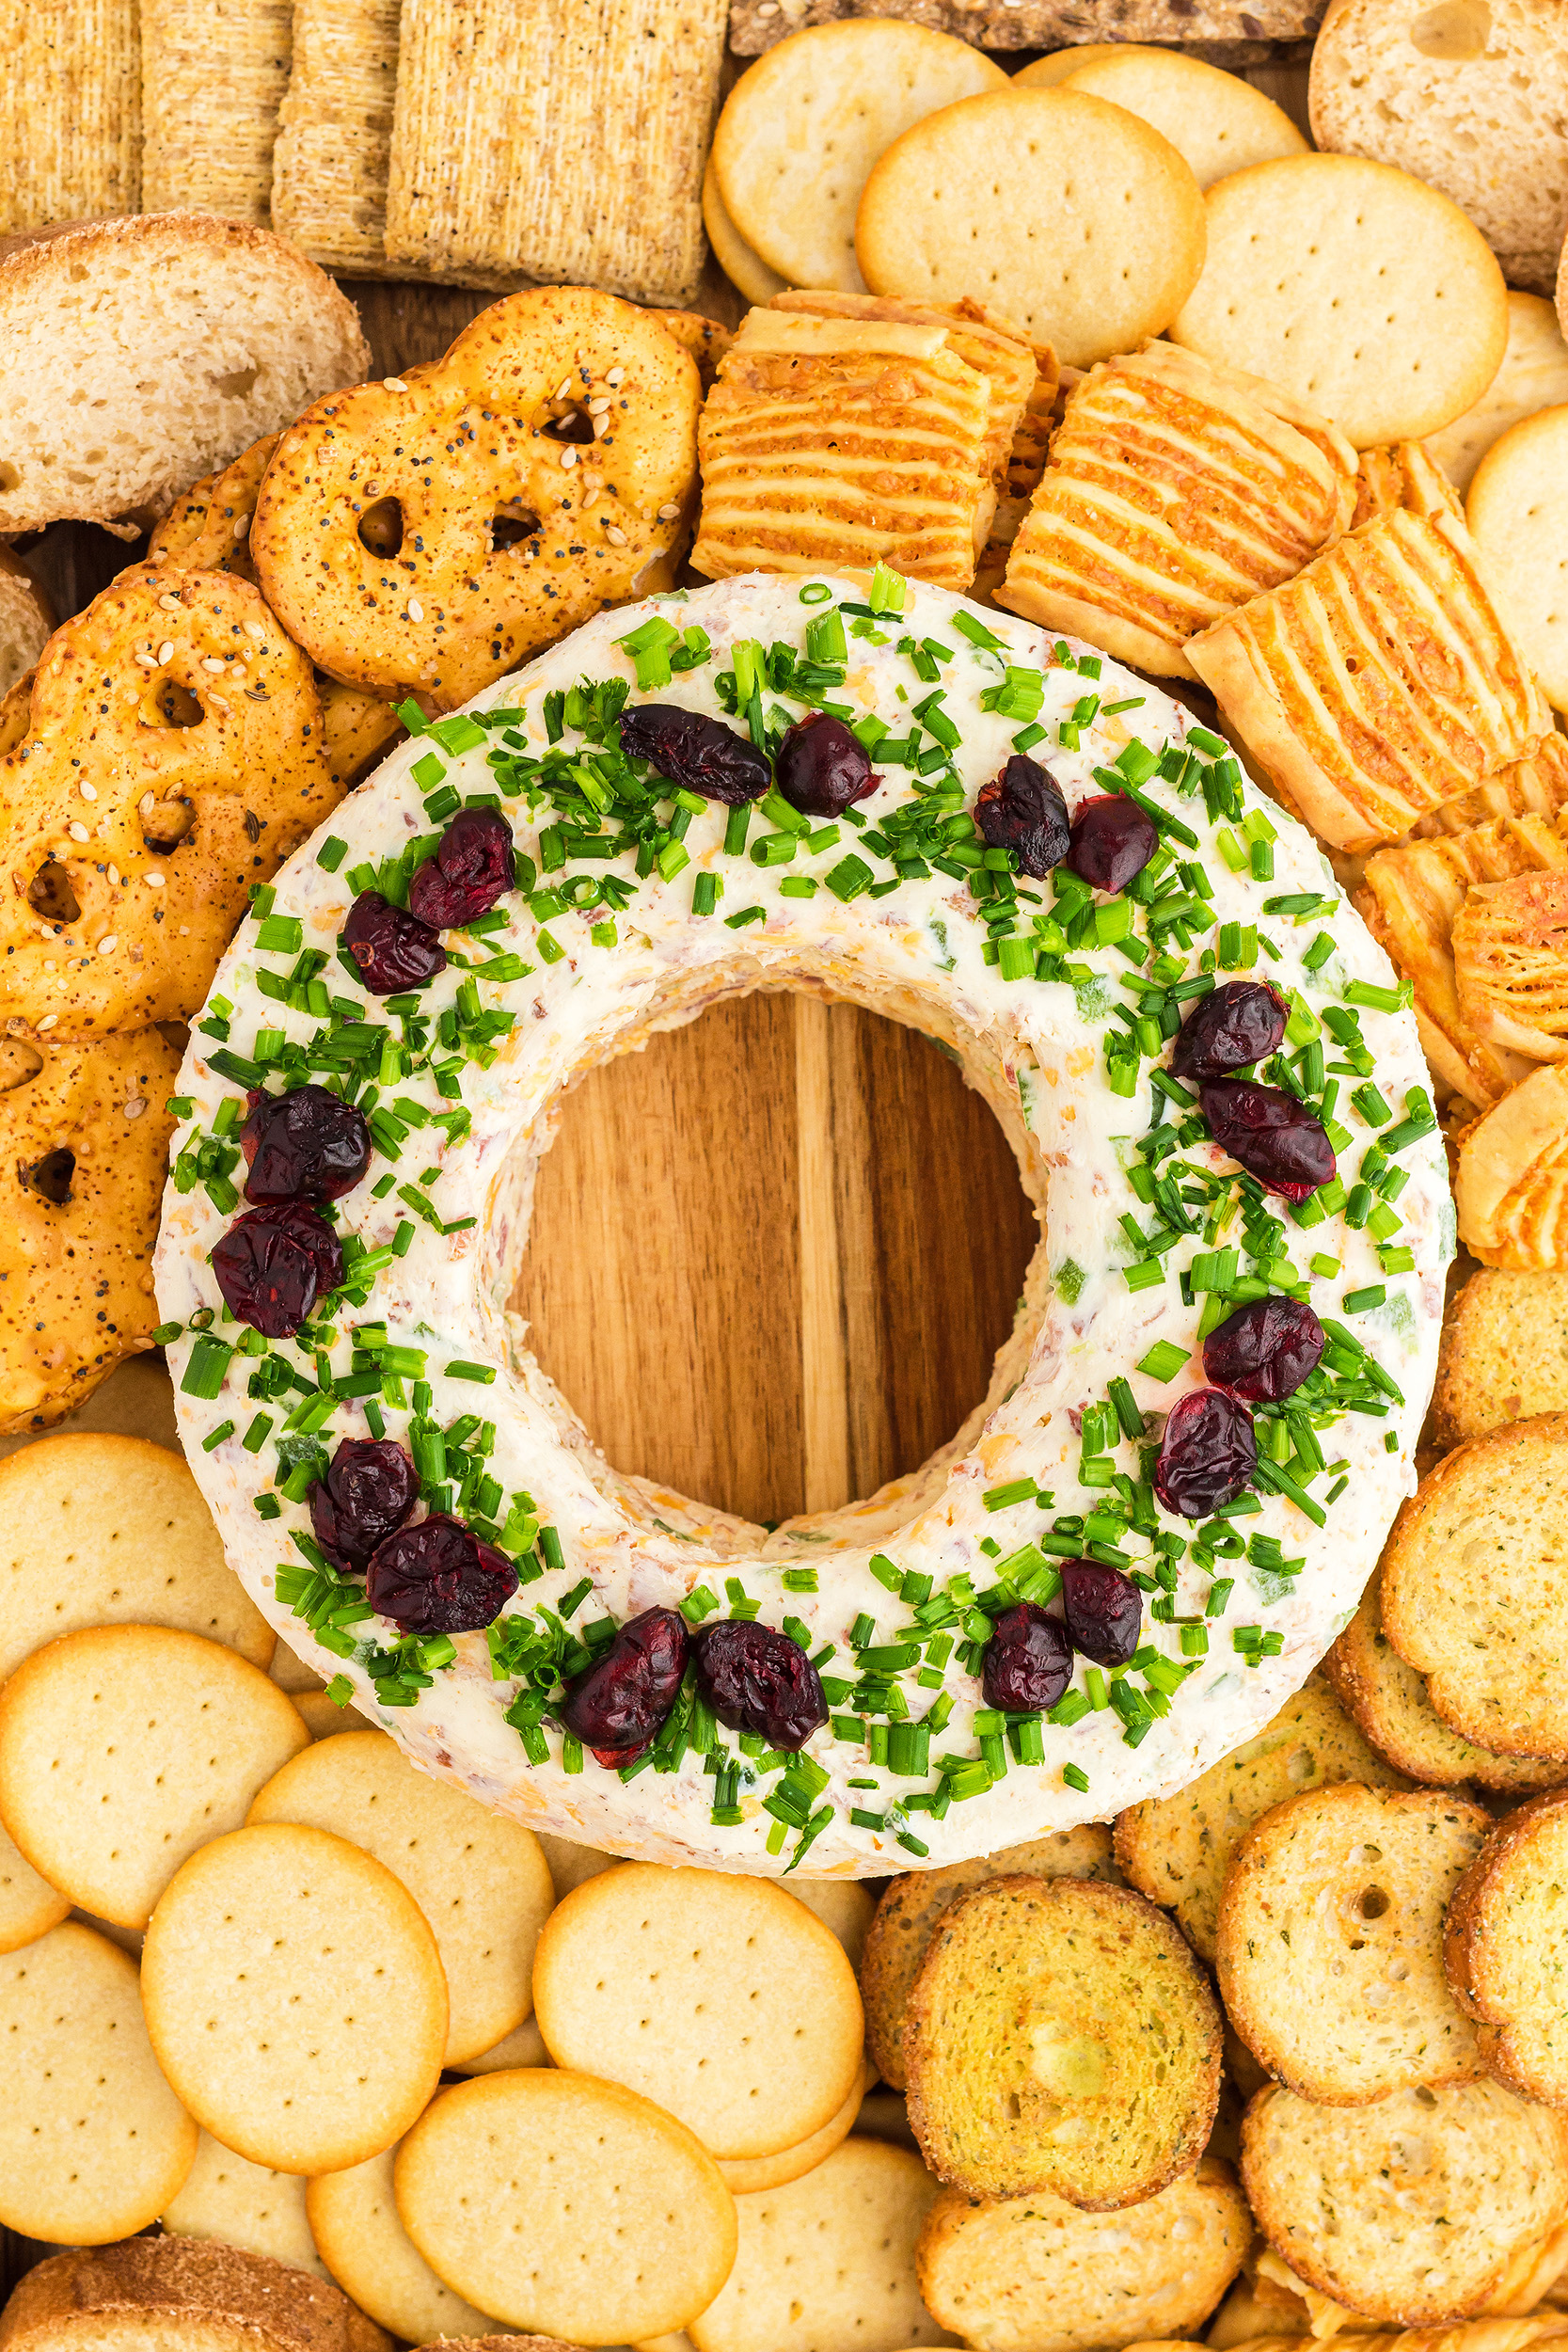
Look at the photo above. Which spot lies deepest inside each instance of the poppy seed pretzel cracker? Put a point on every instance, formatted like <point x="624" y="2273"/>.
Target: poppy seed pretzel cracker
<point x="429" y="532"/>
<point x="173" y="756"/>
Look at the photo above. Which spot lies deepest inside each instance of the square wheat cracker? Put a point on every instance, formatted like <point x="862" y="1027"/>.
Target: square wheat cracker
<point x="71" y="115"/>
<point x="335" y="133"/>
<point x="212" y="80"/>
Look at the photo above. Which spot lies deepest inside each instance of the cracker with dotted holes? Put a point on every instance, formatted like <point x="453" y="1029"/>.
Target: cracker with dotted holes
<point x="228" y="2198"/>
<point x="84" y="1148"/>
<point x="828" y="2260"/>
<point x="173" y="757"/>
<point x="293" y="1994"/>
<point x="1533" y="375"/>
<point x="759" y="2026"/>
<point x="1088" y="224"/>
<point x="570" y="1863"/>
<point x="846" y="1908"/>
<point x="1220" y="123"/>
<point x="523" y="2046"/>
<point x="480" y="1879"/>
<point x="746" y="271"/>
<point x="746" y="2175"/>
<point x="29" y="1906"/>
<point x="566" y="2205"/>
<point x="356" y="2228"/>
<point x="102" y="1530"/>
<point x="1353" y="286"/>
<point x="93" y="2142"/>
<point x="1518" y="513"/>
<point x="123" y="1748"/>
<point x="522" y="482"/>
<point x="803" y="128"/>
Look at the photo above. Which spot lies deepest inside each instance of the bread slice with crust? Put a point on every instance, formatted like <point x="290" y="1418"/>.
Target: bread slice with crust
<point x="1412" y="2210"/>
<point x="1504" y="1353"/>
<point x="180" y="2294"/>
<point x="907" y="1917"/>
<point x="1177" y="1849"/>
<point x="1507" y="1949"/>
<point x="1061" y="2036"/>
<point x="1330" y="1957"/>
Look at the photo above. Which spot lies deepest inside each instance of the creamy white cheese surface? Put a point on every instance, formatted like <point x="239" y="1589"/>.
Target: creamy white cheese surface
<point x="1222" y="1660"/>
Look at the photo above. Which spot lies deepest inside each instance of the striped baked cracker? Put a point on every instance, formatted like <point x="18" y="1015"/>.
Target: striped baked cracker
<point x="214" y="74"/>
<point x="559" y="140"/>
<point x="71" y="114"/>
<point x="838" y="442"/>
<point x="1402" y="473"/>
<point x="1378" y="683"/>
<point x="1175" y="491"/>
<point x="335" y="133"/>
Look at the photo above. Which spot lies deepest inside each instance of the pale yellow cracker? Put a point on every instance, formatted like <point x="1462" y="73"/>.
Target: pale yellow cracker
<point x="523" y="2046"/>
<point x="1356" y="288"/>
<point x="125" y="1747"/>
<point x="324" y="1719"/>
<point x="846" y="1908"/>
<point x="1062" y="64"/>
<point x="1220" y="123"/>
<point x="93" y="2142"/>
<point x="29" y="1906"/>
<point x="212" y="80"/>
<point x="745" y="2176"/>
<point x="335" y="133"/>
<point x="294" y="1996"/>
<point x="1518" y="511"/>
<point x="71" y="115"/>
<point x="803" y="127"/>
<point x="1091" y="225"/>
<point x="354" y="2223"/>
<point x="570" y="1863"/>
<point x="480" y="1878"/>
<point x="559" y="140"/>
<point x="826" y="2264"/>
<point x="746" y="271"/>
<point x="566" y="2205"/>
<point x="228" y="2198"/>
<point x="750" y="2073"/>
<point x="1533" y="374"/>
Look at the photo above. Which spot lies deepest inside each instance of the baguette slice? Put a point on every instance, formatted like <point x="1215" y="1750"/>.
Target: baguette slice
<point x="180" y="2294"/>
<point x="1506" y="1953"/>
<point x="1504" y="1355"/>
<point x="137" y="355"/>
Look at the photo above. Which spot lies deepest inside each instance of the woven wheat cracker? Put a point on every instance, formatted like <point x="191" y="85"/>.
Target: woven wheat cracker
<point x="1505" y="1951"/>
<point x="125" y="1747"/>
<point x="1091" y="224"/>
<point x="1518" y="509"/>
<point x="71" y="115"/>
<point x="1330" y="1947"/>
<point x="1504" y="1355"/>
<point x="1311" y="281"/>
<point x="1220" y="123"/>
<point x="228" y="2198"/>
<point x="356" y="2226"/>
<point x="1033" y="2274"/>
<point x="1411" y="2209"/>
<point x="211" y="85"/>
<point x="480" y="1879"/>
<point x="746" y="271"/>
<point x="566" y="2205"/>
<point x="1177" y="1849"/>
<point x="1511" y="1193"/>
<point x="1533" y="374"/>
<point x="334" y="144"/>
<point x="758" y="2071"/>
<point x="803" y="127"/>
<point x="294" y="1996"/>
<point x="100" y="1530"/>
<point x="93" y="2142"/>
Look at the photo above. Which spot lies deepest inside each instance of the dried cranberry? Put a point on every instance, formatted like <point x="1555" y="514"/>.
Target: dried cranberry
<point x="309" y="1145"/>
<point x="392" y="949"/>
<point x="1022" y="809"/>
<point x="438" y="1578"/>
<point x="1207" y="1456"/>
<point x="1265" y="1350"/>
<point x="273" y="1263"/>
<point x="1028" y="1660"/>
<point x="758" y="1680"/>
<point x="1238" y="1024"/>
<point x="1274" y="1137"/>
<point x="619" y="1703"/>
<point x="1112" y="841"/>
<point x="695" y="753"/>
<point x="368" y="1492"/>
<point x="821" y="769"/>
<point x="470" y="870"/>
<point x="1103" y="1610"/>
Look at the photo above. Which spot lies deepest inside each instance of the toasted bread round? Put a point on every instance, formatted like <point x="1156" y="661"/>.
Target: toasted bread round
<point x="1504" y="1355"/>
<point x="1409" y="2211"/>
<point x="1033" y="2274"/>
<point x="181" y="2295"/>
<point x="910" y="1906"/>
<point x="360" y="2235"/>
<point x="228" y="2198"/>
<point x="1517" y="508"/>
<point x="1475" y="1588"/>
<point x="1216" y="120"/>
<point x="1177" y="1849"/>
<point x="1061" y="2036"/>
<point x="1330" y="1958"/>
<point x="1391" y="1703"/>
<point x="293" y="1994"/>
<point x="1507" y="1949"/>
<point x="125" y="1747"/>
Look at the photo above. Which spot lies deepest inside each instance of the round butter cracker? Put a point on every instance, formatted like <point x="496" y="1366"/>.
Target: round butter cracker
<point x="1220" y="123"/>
<point x="1534" y="374"/>
<point x="746" y="271"/>
<point x="356" y="2228"/>
<point x="228" y="2199"/>
<point x="1517" y="511"/>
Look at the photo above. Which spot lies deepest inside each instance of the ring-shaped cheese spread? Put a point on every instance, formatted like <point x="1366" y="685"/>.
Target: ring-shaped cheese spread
<point x="635" y="910"/>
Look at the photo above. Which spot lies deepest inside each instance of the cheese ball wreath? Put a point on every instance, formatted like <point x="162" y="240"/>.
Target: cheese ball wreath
<point x="430" y="532"/>
<point x="1197" y="1434"/>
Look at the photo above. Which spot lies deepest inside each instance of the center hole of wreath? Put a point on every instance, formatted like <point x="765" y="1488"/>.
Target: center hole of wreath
<point x="772" y="1258"/>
